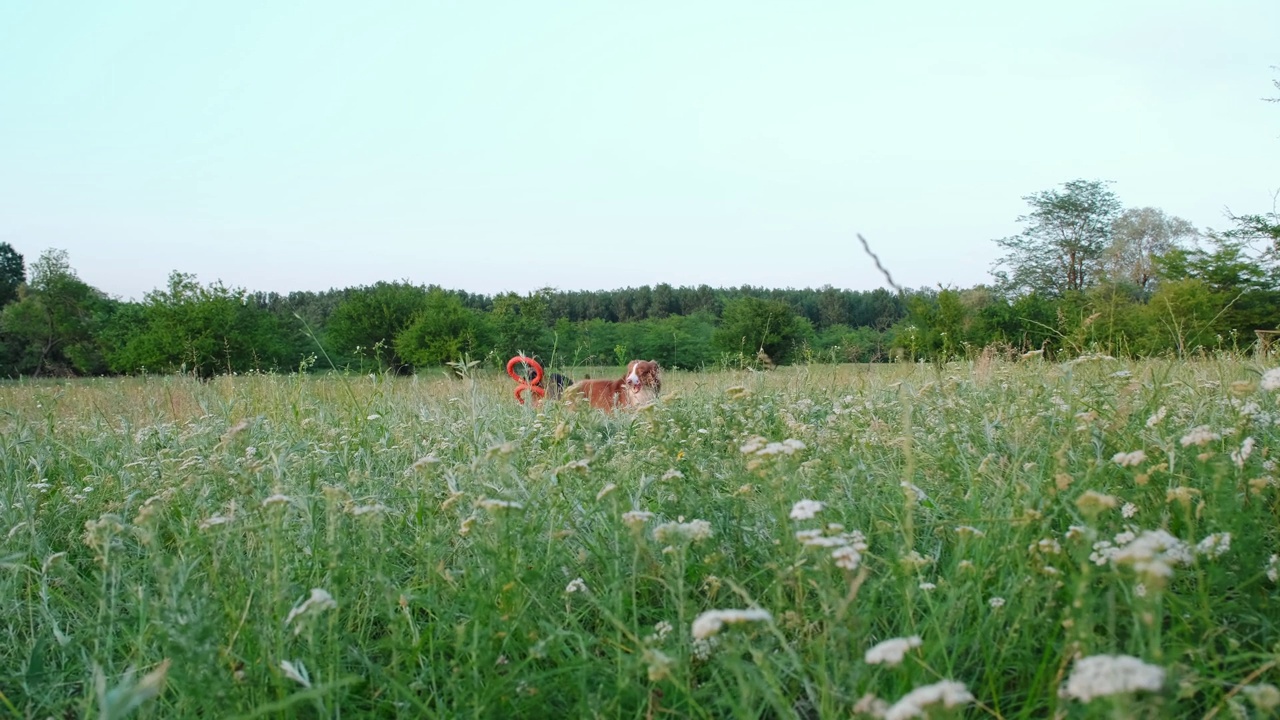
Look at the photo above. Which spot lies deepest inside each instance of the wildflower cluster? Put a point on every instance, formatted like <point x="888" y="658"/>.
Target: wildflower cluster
<point x="1103" y="675"/>
<point x="711" y="622"/>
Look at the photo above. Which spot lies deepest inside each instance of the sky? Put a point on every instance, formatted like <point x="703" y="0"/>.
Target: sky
<point x="495" y="146"/>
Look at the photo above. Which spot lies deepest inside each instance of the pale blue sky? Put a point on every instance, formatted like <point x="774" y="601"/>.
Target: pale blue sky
<point x="495" y="146"/>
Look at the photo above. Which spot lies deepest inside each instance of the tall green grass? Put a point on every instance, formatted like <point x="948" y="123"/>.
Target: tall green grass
<point x="480" y="564"/>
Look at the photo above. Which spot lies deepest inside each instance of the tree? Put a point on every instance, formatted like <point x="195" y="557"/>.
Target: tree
<point x="1181" y="314"/>
<point x="750" y="324"/>
<point x="520" y="322"/>
<point x="203" y="329"/>
<point x="441" y="332"/>
<point x="1061" y="249"/>
<point x="51" y="328"/>
<point x="13" y="272"/>
<point x="1138" y="236"/>
<point x="373" y="317"/>
<point x="832" y="308"/>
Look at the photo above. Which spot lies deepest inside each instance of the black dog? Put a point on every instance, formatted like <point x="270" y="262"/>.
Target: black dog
<point x="555" y="383"/>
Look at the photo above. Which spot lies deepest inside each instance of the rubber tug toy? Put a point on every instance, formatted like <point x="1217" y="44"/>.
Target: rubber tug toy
<point x="523" y="384"/>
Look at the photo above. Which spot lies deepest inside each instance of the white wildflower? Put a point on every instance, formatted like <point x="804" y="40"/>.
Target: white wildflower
<point x="1140" y="590"/>
<point x="949" y="693"/>
<point x="661" y="630"/>
<point x="1128" y="510"/>
<point x="1264" y="696"/>
<point x="806" y="509"/>
<point x="1102" y="675"/>
<point x="659" y="664"/>
<point x="915" y="559"/>
<point x="214" y="521"/>
<point x="672" y="474"/>
<point x="711" y="622"/>
<point x="996" y="602"/>
<point x="1273" y="568"/>
<point x="1251" y="409"/>
<point x="847" y="557"/>
<point x="1153" y="553"/>
<point x="635" y="519"/>
<point x="276" y="499"/>
<point x="1246" y="449"/>
<point x="1271" y="379"/>
<point x="1045" y="546"/>
<point x="891" y="652"/>
<point x="424" y="461"/>
<point x="703" y="648"/>
<point x="575" y="585"/>
<point x="846" y="547"/>
<point x="375" y="509"/>
<point x="870" y="705"/>
<point x="692" y="531"/>
<point x="762" y="447"/>
<point x="1199" y="436"/>
<point x="928" y="586"/>
<point x="1215" y="545"/>
<point x="1103" y="551"/>
<point x="1129" y="459"/>
<point x="815" y="538"/>
<point x="920" y="494"/>
<point x="501" y="450"/>
<point x="373" y="416"/>
<point x="319" y="601"/>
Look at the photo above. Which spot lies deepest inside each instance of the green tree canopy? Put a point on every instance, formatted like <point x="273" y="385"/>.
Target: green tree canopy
<point x="750" y="324"/>
<point x="204" y="329"/>
<point x="373" y="317"/>
<point x="520" y="321"/>
<point x="13" y="272"/>
<point x="52" y="328"/>
<point x="1061" y="249"/>
<point x="442" y="331"/>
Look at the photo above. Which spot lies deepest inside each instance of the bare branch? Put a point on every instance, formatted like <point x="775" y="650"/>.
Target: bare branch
<point x="879" y="267"/>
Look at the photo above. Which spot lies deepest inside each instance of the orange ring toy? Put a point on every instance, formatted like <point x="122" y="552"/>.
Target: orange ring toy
<point x="540" y="392"/>
<point x="523" y="384"/>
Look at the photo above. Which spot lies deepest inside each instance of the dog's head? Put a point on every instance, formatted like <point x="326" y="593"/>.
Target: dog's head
<point x="643" y="380"/>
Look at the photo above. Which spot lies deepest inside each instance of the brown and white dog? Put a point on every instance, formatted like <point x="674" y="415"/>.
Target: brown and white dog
<point x="640" y="385"/>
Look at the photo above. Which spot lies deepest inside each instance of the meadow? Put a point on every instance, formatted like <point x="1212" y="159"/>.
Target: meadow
<point x="1091" y="538"/>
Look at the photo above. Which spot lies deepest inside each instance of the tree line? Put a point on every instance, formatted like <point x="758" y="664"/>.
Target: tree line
<point x="1085" y="275"/>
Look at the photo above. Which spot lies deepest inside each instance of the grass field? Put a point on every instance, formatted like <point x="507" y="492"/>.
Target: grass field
<point x="281" y="546"/>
